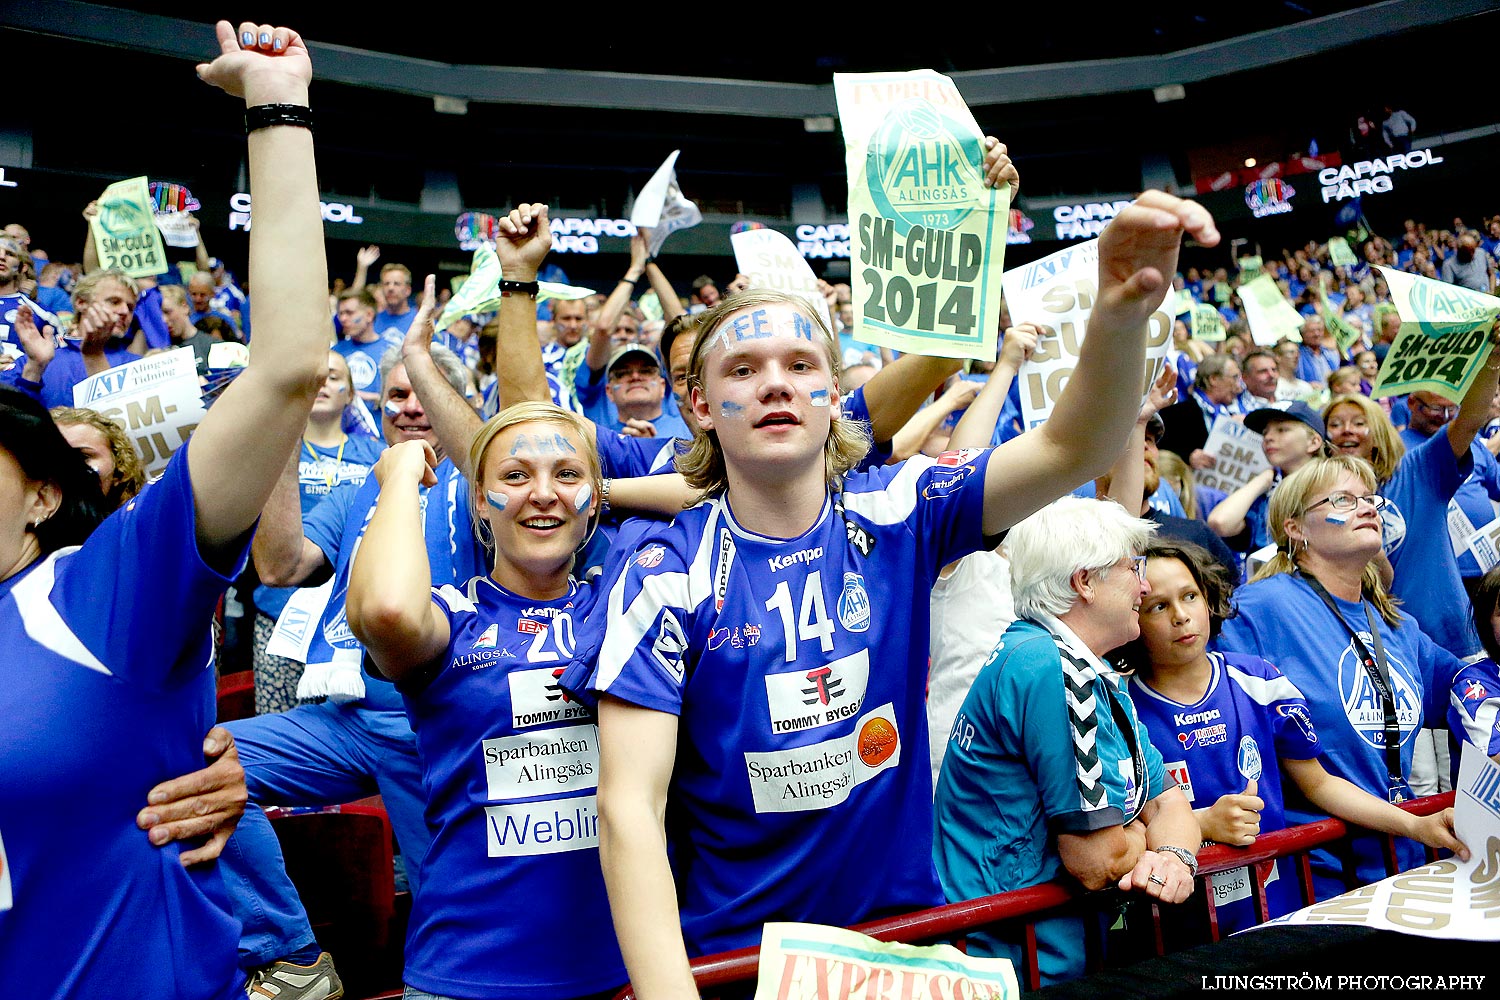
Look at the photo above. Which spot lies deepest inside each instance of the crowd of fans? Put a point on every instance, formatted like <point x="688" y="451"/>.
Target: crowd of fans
<point x="637" y="608"/>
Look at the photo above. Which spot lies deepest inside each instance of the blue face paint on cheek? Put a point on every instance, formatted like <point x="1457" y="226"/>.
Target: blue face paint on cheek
<point x="1337" y="518"/>
<point x="499" y="501"/>
<point x="819" y="397"/>
<point x="583" y="498"/>
<point x="393" y="408"/>
<point x="728" y="409"/>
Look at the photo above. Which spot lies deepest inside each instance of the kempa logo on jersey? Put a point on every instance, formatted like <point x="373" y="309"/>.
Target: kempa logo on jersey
<point x="1195" y="718"/>
<point x="805" y="557"/>
<point x="807" y="699"/>
<point x="1362" y="704"/>
<point x="545" y="612"/>
<point x="528" y="828"/>
<point x="726" y="559"/>
<point x="1178" y="771"/>
<point x="536" y="699"/>
<point x="544" y="763"/>
<point x="822" y="775"/>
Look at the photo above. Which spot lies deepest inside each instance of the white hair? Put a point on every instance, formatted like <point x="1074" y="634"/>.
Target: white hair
<point x="1065" y="536"/>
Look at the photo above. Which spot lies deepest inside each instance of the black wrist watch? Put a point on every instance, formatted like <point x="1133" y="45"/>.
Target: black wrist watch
<point x="1182" y="854"/>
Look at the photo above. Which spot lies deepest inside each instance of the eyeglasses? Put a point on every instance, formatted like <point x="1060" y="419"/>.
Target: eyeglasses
<point x="1348" y="501"/>
<point x="1138" y="565"/>
<point x="1446" y="412"/>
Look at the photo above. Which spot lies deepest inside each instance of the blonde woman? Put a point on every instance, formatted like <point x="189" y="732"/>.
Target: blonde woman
<point x="1370" y="676"/>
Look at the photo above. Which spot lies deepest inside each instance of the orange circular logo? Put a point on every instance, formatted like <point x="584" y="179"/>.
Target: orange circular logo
<point x="877" y="741"/>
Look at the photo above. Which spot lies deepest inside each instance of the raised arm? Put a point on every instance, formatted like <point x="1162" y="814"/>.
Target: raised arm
<point x="284" y="556"/>
<point x="637" y="751"/>
<point x="909" y="439"/>
<point x="895" y="393"/>
<point x="364" y="259"/>
<point x="453" y="420"/>
<point x="390" y="600"/>
<point x="609" y="313"/>
<point x="1089" y="425"/>
<point x="90" y="252"/>
<point x="976" y="428"/>
<point x="289" y="358"/>
<point x="1127" y="477"/>
<point x="200" y="251"/>
<point x="671" y="305"/>
<point x="1474" y="411"/>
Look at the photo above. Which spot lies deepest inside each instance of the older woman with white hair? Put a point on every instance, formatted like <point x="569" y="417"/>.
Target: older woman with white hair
<point x="1014" y="808"/>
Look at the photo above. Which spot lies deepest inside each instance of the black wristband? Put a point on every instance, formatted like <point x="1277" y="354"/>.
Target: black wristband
<point x="508" y="287"/>
<point x="266" y="115"/>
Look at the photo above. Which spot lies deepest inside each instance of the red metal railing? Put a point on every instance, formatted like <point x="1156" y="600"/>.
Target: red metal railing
<point x="1042" y="901"/>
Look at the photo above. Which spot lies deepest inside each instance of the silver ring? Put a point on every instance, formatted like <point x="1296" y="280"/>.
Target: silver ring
<point x="1160" y="882"/>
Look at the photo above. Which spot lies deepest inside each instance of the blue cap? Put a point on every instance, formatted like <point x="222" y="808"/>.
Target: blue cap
<point x="1259" y="420"/>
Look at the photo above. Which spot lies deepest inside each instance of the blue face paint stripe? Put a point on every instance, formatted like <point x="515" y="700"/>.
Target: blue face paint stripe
<point x="499" y="501"/>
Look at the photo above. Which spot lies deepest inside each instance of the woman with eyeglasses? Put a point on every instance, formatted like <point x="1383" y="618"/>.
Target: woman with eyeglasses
<point x="1370" y="676"/>
<point x="1418" y="482"/>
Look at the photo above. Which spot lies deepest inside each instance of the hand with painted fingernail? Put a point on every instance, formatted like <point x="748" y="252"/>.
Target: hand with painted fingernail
<point x="262" y="63"/>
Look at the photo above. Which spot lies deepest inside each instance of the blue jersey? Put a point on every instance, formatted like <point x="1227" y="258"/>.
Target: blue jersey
<point x="798" y="669"/>
<point x="1473" y="498"/>
<point x="320" y="469"/>
<point x="392" y="325"/>
<point x="364" y="361"/>
<point x="1250" y="717"/>
<point x="102" y="699"/>
<point x="66" y="370"/>
<point x="337" y="525"/>
<point x="1010" y="781"/>
<point x="1282" y="620"/>
<point x="1474" y="707"/>
<point x="1416" y="540"/>
<point x="510" y="766"/>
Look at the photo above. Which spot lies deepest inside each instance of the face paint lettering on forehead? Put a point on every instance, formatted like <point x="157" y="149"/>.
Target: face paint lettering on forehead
<point x="543" y="444"/>
<point x="819" y="397"/>
<point x="583" y="498"/>
<point x="759" y="324"/>
<point x="499" y="501"/>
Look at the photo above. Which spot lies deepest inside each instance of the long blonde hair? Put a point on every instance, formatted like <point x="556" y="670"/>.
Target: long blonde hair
<point x="703" y="465"/>
<point x="1386" y="448"/>
<point x="1289" y="502"/>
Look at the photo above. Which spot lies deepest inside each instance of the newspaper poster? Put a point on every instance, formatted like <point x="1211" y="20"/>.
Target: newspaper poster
<point x="928" y="237"/>
<point x="1345" y="334"/>
<point x="662" y="207"/>
<point x="124" y="231"/>
<point x="156" y="400"/>
<point x="1483" y="543"/>
<point x="1057" y="294"/>
<point x="1208" y="325"/>
<point x="1237" y="455"/>
<point x="177" y="229"/>
<point x="1445" y="899"/>
<point x="1444" y="338"/>
<point x="1270" y="315"/>
<point x="770" y="260"/>
<point x="814" y="962"/>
